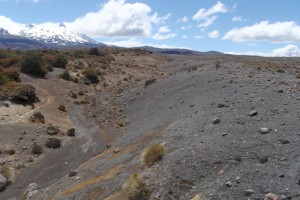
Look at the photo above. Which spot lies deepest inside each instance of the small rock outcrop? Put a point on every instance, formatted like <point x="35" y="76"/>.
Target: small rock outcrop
<point x="71" y="132"/>
<point x="53" y="143"/>
<point x="3" y="183"/>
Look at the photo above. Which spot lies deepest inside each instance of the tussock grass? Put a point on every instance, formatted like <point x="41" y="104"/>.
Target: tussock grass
<point x="8" y="173"/>
<point x="136" y="189"/>
<point x="152" y="154"/>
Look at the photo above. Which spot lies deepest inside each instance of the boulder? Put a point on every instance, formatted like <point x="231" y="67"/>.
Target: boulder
<point x="53" y="143"/>
<point x="31" y="189"/>
<point x="3" y="183"/>
<point x="71" y="132"/>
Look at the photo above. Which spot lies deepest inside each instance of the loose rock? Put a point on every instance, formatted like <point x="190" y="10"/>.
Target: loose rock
<point x="248" y="192"/>
<point x="253" y="113"/>
<point x="264" y="130"/>
<point x="216" y="121"/>
<point x="73" y="173"/>
<point x="3" y="183"/>
<point x="271" y="196"/>
<point x="71" y="132"/>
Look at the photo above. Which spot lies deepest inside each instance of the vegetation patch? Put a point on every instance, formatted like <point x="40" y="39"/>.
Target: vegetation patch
<point x="136" y="189"/>
<point x="33" y="64"/>
<point x="91" y="75"/>
<point x="8" y="173"/>
<point x="152" y="154"/>
<point x="37" y="116"/>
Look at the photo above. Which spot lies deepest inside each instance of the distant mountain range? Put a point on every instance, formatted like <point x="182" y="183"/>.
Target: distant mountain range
<point x="36" y="37"/>
<point x="178" y="51"/>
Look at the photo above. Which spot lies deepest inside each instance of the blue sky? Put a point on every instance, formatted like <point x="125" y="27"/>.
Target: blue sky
<point x="260" y="27"/>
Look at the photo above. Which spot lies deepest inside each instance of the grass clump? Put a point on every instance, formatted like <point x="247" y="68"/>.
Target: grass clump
<point x="136" y="189"/>
<point x="152" y="154"/>
<point x="37" y="116"/>
<point x="91" y="75"/>
<point x="8" y="173"/>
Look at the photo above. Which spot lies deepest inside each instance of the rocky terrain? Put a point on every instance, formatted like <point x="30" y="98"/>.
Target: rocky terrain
<point x="228" y="126"/>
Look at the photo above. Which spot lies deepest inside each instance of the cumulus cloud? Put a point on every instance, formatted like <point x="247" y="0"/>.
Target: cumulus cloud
<point x="264" y="31"/>
<point x="117" y="18"/>
<point x="208" y="16"/>
<point x="214" y="34"/>
<point x="163" y="33"/>
<point x="289" y="50"/>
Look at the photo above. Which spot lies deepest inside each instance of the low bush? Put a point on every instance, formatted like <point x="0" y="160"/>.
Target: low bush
<point x="152" y="154"/>
<point x="91" y="75"/>
<point x="94" y="51"/>
<point x="33" y="64"/>
<point x="37" y="149"/>
<point x="60" y="62"/>
<point x="37" y="116"/>
<point x="136" y="189"/>
<point x="9" y="74"/>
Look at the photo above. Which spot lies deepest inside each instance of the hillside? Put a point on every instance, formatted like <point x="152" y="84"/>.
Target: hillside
<point x="228" y="124"/>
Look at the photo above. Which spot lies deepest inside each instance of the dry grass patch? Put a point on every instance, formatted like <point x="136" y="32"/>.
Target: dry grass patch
<point x="152" y="154"/>
<point x="8" y="173"/>
<point x="136" y="189"/>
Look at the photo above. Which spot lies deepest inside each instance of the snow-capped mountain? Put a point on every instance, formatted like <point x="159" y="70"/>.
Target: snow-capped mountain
<point x="3" y="31"/>
<point x="45" y="36"/>
<point x="56" y="35"/>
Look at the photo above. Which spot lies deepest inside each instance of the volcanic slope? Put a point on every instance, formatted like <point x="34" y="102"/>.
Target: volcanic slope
<point x="229" y="125"/>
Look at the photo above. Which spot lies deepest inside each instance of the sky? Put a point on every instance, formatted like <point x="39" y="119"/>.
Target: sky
<point x="252" y="27"/>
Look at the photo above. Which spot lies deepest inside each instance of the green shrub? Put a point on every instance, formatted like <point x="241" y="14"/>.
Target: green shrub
<point x="32" y="63"/>
<point x="91" y="75"/>
<point x="136" y="189"/>
<point x="60" y="61"/>
<point x="94" y="51"/>
<point x="8" y="75"/>
<point x="152" y="154"/>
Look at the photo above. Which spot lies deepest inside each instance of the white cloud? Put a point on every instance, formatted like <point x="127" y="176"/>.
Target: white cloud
<point x="264" y="31"/>
<point x="164" y="29"/>
<point x="214" y="34"/>
<point x="134" y="42"/>
<point x="207" y="16"/>
<point x="238" y="19"/>
<point x="163" y="33"/>
<point x="159" y="36"/>
<point x="208" y="22"/>
<point x="11" y="26"/>
<point x="184" y="36"/>
<point x="289" y="50"/>
<point x="184" y="19"/>
<point x="116" y="18"/>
